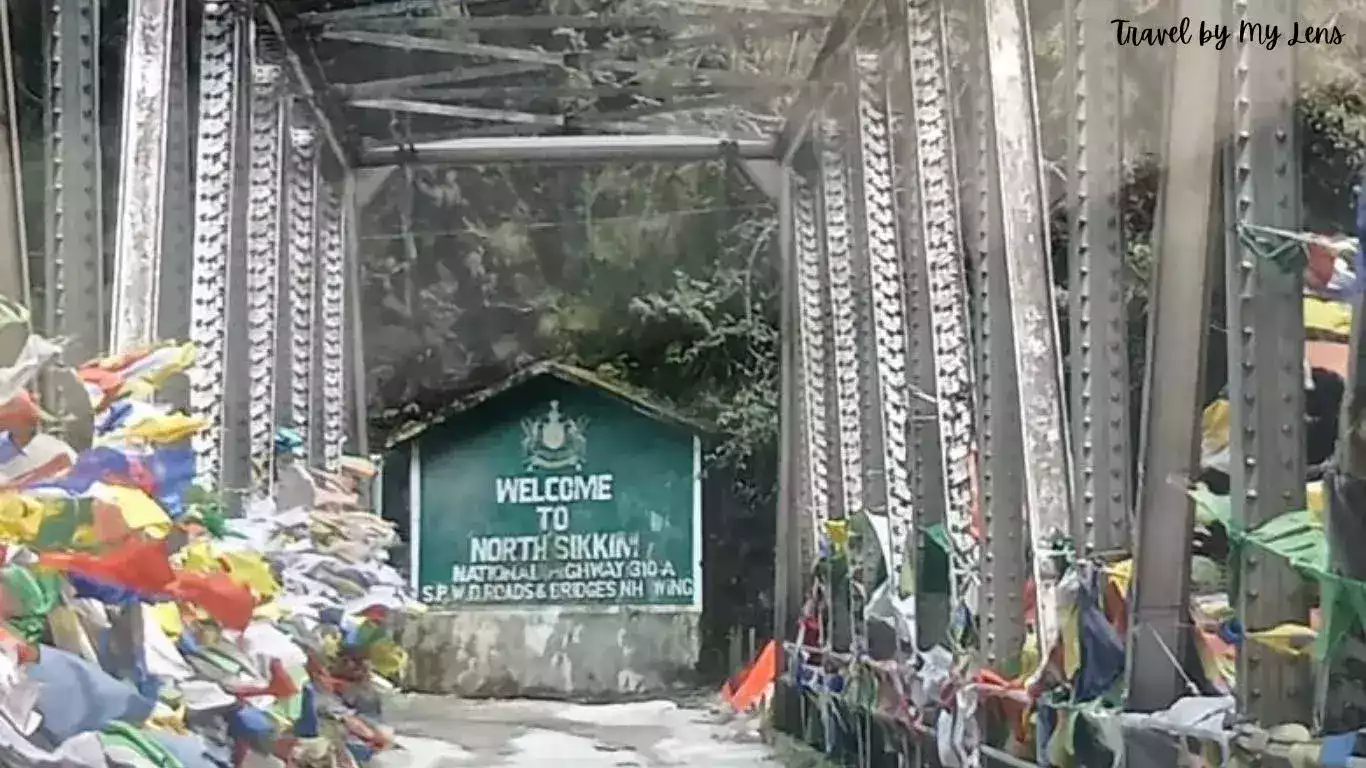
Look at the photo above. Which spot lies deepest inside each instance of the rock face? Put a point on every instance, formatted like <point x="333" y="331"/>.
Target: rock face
<point x="551" y="653"/>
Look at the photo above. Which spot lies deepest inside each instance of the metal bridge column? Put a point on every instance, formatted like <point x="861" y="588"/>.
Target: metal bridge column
<point x="355" y="395"/>
<point x="269" y="105"/>
<point x="847" y="368"/>
<point x="1001" y="469"/>
<point x="74" y="297"/>
<point x="1098" y="341"/>
<point x="327" y="400"/>
<point x="945" y="295"/>
<point x="817" y="489"/>
<point x="1186" y="240"/>
<point x="220" y="387"/>
<point x="298" y="302"/>
<point x="1266" y="353"/>
<point x="1047" y="478"/>
<point x="177" y="257"/>
<point x="926" y="455"/>
<point x="141" y="233"/>
<point x="883" y="282"/>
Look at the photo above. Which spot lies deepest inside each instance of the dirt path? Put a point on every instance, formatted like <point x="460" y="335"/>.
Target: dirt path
<point x="442" y="732"/>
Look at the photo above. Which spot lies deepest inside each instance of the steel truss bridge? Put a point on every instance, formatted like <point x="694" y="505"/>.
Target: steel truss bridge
<point x="923" y="366"/>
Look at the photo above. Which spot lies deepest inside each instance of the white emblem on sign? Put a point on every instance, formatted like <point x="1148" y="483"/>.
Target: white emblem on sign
<point x="554" y="442"/>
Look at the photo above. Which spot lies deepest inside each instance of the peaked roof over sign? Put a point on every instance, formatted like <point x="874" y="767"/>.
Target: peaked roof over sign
<point x="635" y="398"/>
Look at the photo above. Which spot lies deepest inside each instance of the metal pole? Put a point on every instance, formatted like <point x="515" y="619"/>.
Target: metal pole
<point x="846" y="418"/>
<point x="327" y="401"/>
<point x="14" y="280"/>
<point x="264" y="248"/>
<point x="177" y="249"/>
<point x="813" y="371"/>
<point x="946" y="292"/>
<point x="1266" y="354"/>
<point x="569" y="149"/>
<point x="142" y="173"/>
<point x="1178" y="309"/>
<point x="1001" y="465"/>
<point x="355" y="325"/>
<point x="926" y="454"/>
<point x="217" y="235"/>
<point x="888" y="388"/>
<point x="790" y="536"/>
<point x="74" y="296"/>
<point x="302" y="182"/>
<point x="1047" y="491"/>
<point x="1096" y="298"/>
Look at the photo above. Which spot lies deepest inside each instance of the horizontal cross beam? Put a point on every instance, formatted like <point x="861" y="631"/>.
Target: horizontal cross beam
<point x="569" y="149"/>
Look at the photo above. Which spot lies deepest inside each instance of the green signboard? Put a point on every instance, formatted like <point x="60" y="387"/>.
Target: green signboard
<point x="556" y="494"/>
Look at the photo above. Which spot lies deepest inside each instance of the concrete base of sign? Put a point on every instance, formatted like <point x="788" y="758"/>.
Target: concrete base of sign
<point x="551" y="653"/>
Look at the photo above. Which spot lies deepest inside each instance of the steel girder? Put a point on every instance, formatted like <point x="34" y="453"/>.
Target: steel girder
<point x="75" y="298"/>
<point x="218" y="230"/>
<point x="328" y="403"/>
<point x="1098" y="341"/>
<point x="300" y="298"/>
<point x="356" y="392"/>
<point x="140" y="236"/>
<point x="939" y="249"/>
<point x="882" y="280"/>
<point x="1188" y="228"/>
<point x="1266" y="352"/>
<point x="818" y="487"/>
<point x="844" y="413"/>
<point x="1047" y="477"/>
<point x="1000" y="465"/>
<point x="177" y="250"/>
<point x="265" y="242"/>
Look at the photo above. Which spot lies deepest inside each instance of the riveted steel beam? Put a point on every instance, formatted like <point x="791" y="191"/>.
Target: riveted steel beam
<point x="794" y="552"/>
<point x="1189" y="217"/>
<point x="1266" y="353"/>
<point x="302" y="179"/>
<point x="1047" y="476"/>
<point x="219" y="235"/>
<point x="844" y="315"/>
<point x="265" y="243"/>
<point x="75" y="296"/>
<point x="177" y="249"/>
<point x="327" y="399"/>
<point x="926" y="455"/>
<point x="1096" y="298"/>
<point x="570" y="149"/>
<point x="1000" y="464"/>
<point x="356" y="392"/>
<point x="846" y="354"/>
<point x="883" y="281"/>
<point x="140" y="232"/>
<point x="946" y="293"/>
<point x="818" y="490"/>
